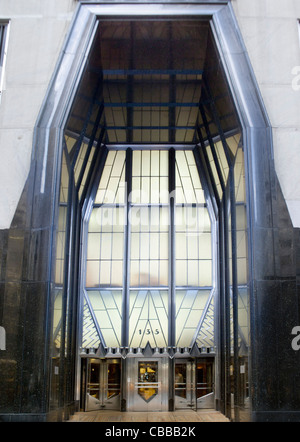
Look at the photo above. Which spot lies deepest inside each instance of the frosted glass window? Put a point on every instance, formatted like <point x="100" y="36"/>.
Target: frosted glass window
<point x="107" y="308"/>
<point x="188" y="186"/>
<point x="193" y="244"/>
<point x="149" y="245"/>
<point x="150" y="177"/>
<point x="105" y="247"/>
<point x="148" y="318"/>
<point x="190" y="308"/>
<point x="111" y="189"/>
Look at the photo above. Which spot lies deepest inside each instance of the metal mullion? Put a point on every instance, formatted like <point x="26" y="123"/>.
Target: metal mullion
<point x="97" y="166"/>
<point x="67" y="284"/>
<point x="108" y="181"/>
<point x="186" y="248"/>
<point x="217" y="121"/>
<point x="212" y="146"/>
<point x="78" y="144"/>
<point x="172" y="306"/>
<point x="234" y="294"/>
<point x="209" y="172"/>
<point x="189" y="169"/>
<point x="90" y="145"/>
<point x="129" y="92"/>
<point x="149" y="232"/>
<point x="198" y="246"/>
<point x="126" y="270"/>
<point x="227" y="310"/>
<point x="221" y="317"/>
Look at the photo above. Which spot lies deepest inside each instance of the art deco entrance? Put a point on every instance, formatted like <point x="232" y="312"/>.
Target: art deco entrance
<point x="153" y="160"/>
<point x="103" y="384"/>
<point x="194" y="384"/>
<point x="147" y="384"/>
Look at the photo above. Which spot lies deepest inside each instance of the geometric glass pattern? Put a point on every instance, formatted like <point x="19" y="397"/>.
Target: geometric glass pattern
<point x="147" y="241"/>
<point x="193" y="244"/>
<point x="107" y="311"/>
<point x="148" y="318"/>
<point x="243" y="300"/>
<point x="90" y="337"/>
<point x="206" y="334"/>
<point x="190" y="307"/>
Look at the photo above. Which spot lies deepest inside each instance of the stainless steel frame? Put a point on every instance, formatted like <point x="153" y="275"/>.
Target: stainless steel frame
<point x="160" y="401"/>
<point x="102" y="394"/>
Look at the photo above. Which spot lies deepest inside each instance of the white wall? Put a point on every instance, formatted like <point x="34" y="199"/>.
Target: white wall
<point x="35" y="41"/>
<point x="271" y="34"/>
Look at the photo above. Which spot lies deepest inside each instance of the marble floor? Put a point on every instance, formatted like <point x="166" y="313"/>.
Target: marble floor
<point x="175" y="416"/>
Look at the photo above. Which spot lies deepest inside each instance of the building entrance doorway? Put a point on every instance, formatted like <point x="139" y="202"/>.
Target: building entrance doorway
<point x="194" y="384"/>
<point x="103" y="384"/>
<point x="147" y="388"/>
<point x="153" y="191"/>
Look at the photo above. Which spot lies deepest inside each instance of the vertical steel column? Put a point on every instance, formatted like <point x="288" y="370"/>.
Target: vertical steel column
<point x="227" y="308"/>
<point x="172" y="283"/>
<point x="235" y="292"/>
<point x="172" y="306"/>
<point x="172" y="89"/>
<point x="125" y="302"/>
<point x="230" y="160"/>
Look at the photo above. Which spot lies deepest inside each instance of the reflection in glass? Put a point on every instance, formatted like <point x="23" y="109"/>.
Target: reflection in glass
<point x="180" y="380"/>
<point x="147" y="380"/>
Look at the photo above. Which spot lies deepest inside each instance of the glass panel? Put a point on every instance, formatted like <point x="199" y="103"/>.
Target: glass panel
<point x="222" y="160"/>
<point x="90" y="335"/>
<point x="214" y="171"/>
<point x="113" y="380"/>
<point x="111" y="189"/>
<point x="206" y="335"/>
<point x="93" y="387"/>
<point x="233" y="142"/>
<point x="193" y="247"/>
<point x="205" y="376"/>
<point x="190" y="307"/>
<point x="188" y="185"/>
<point x="148" y="318"/>
<point x="180" y="380"/>
<point x="105" y="247"/>
<point x="107" y="311"/>
<point x="149" y="246"/>
<point x="150" y="177"/>
<point x="147" y="380"/>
